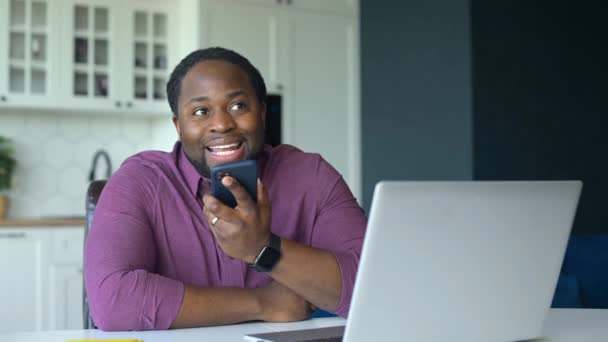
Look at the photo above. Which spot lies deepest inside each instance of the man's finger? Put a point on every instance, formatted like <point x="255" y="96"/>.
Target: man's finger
<point x="242" y="197"/>
<point x="212" y="207"/>
<point x="263" y="198"/>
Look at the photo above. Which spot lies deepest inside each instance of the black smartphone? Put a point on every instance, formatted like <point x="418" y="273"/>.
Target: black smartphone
<point x="244" y="171"/>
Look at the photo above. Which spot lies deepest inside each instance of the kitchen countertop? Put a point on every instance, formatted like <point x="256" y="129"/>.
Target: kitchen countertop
<point x="42" y="222"/>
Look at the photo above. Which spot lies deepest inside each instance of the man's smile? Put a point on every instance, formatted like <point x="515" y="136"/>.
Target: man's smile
<point x="221" y="152"/>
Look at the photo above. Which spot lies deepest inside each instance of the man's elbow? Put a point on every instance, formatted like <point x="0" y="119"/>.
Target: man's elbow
<point x="115" y="318"/>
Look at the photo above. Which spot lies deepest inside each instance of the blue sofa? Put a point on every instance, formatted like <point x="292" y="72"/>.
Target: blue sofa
<point x="583" y="282"/>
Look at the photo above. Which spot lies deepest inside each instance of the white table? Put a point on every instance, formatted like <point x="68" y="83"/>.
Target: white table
<point x="562" y="325"/>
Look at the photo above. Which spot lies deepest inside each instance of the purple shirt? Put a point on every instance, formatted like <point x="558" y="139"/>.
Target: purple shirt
<point x="149" y="236"/>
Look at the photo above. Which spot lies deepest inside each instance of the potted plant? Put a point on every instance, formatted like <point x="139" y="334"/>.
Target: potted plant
<point x="7" y="166"/>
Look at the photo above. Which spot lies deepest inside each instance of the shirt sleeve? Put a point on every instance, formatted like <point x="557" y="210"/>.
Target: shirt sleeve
<point x="123" y="291"/>
<point x="339" y="228"/>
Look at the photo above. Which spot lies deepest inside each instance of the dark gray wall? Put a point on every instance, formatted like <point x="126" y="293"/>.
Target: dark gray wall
<point x="540" y="96"/>
<point x="416" y="91"/>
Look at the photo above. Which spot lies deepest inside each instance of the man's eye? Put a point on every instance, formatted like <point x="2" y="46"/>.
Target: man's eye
<point x="201" y="112"/>
<point x="237" y="107"/>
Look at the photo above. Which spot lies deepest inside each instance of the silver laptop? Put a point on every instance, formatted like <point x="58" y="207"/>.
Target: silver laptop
<point x="457" y="261"/>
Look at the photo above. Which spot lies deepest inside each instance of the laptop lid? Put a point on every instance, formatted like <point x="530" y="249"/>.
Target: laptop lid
<point x="461" y="261"/>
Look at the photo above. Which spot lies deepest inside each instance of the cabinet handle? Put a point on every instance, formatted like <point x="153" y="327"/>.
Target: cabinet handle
<point x="129" y="104"/>
<point x="20" y="235"/>
<point x="289" y="2"/>
<point x="280" y="87"/>
<point x="118" y="104"/>
<point x="3" y="98"/>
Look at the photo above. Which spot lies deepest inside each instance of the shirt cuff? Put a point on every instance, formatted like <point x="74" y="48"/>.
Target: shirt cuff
<point x="162" y="302"/>
<point x="348" y="262"/>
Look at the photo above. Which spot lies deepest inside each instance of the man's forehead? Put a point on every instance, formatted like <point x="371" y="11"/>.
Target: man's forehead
<point x="216" y="70"/>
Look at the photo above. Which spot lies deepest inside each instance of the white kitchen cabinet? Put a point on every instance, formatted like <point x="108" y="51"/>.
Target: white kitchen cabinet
<point x="118" y="55"/>
<point x="27" y="33"/>
<point x="308" y="52"/>
<point x="254" y="30"/>
<point x="41" y="272"/>
<point x="65" y="278"/>
<point x="23" y="270"/>
<point x="322" y="99"/>
<point x="87" y="56"/>
<point x="340" y="7"/>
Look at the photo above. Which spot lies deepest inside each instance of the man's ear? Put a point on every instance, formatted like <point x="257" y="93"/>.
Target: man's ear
<point x="177" y="127"/>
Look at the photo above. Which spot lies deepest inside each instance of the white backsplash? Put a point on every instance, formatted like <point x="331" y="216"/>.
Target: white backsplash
<point x="54" y="153"/>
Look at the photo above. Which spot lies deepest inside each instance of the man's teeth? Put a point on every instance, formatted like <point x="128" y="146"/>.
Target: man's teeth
<point x="219" y="147"/>
<point x="224" y="150"/>
<point x="223" y="153"/>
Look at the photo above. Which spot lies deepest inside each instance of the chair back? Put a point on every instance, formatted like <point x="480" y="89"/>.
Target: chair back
<point x="93" y="193"/>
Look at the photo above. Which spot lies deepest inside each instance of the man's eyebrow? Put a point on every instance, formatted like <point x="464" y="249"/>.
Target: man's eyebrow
<point x="198" y="99"/>
<point x="235" y="94"/>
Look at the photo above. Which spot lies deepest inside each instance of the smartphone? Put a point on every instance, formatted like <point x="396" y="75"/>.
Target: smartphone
<point x="244" y="171"/>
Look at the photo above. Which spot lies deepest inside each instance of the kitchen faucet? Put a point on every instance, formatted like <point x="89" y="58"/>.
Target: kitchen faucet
<point x="106" y="157"/>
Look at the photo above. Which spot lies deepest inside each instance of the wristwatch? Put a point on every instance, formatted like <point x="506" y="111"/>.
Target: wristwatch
<point x="269" y="255"/>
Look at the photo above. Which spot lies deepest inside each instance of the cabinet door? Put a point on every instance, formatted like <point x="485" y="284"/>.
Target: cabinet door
<point x="22" y="266"/>
<point x="4" y="34"/>
<point x="250" y="29"/>
<point x="65" y="278"/>
<point x="90" y="74"/>
<point x="25" y="45"/>
<point x="322" y="111"/>
<point x="65" y="297"/>
<point x="146" y="54"/>
<point x="341" y="7"/>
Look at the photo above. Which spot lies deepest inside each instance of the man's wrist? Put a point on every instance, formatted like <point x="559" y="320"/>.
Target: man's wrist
<point x="269" y="255"/>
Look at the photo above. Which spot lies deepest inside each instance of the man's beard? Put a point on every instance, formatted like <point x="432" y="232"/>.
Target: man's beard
<point x="204" y="170"/>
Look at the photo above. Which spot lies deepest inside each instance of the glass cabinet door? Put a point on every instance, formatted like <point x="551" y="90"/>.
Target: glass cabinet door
<point x="27" y="48"/>
<point x="91" y="46"/>
<point x="149" y="55"/>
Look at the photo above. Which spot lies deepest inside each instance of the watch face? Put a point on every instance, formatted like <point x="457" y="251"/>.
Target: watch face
<point x="268" y="258"/>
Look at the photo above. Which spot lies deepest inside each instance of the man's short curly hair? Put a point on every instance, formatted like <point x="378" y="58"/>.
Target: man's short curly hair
<point x="215" y="53"/>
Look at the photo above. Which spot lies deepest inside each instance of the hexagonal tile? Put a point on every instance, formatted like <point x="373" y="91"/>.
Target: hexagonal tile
<point x="24" y="207"/>
<point x="41" y="182"/>
<point x="56" y="206"/>
<point x="84" y="151"/>
<point x="40" y="127"/>
<point x="119" y="151"/>
<point x="26" y="153"/>
<point x="11" y="126"/>
<point x="73" y="128"/>
<point x="58" y="152"/>
<point x="72" y="182"/>
<point x="135" y="130"/>
<point x="104" y="129"/>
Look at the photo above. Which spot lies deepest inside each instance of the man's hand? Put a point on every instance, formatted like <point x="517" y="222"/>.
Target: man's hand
<point x="280" y="304"/>
<point x="243" y="231"/>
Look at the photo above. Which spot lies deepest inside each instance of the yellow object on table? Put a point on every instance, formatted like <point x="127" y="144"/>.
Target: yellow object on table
<point x="106" y="340"/>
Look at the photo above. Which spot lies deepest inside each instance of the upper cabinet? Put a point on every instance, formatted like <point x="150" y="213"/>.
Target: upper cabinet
<point x="119" y="55"/>
<point x="342" y="7"/>
<point x="26" y="34"/>
<point x="260" y="42"/>
<point x="96" y="56"/>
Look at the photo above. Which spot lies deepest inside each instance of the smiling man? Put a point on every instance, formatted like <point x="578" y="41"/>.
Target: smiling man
<point x="164" y="253"/>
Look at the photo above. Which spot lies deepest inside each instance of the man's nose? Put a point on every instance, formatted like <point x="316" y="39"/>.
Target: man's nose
<point x="222" y="121"/>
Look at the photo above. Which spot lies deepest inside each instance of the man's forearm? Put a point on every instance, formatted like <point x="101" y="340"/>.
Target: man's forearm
<point x="216" y="306"/>
<point x="310" y="272"/>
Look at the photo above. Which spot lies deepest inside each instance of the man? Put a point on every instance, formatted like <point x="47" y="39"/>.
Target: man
<point x="164" y="253"/>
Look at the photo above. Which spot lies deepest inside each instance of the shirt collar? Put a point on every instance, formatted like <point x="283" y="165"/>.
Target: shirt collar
<point x="191" y="175"/>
